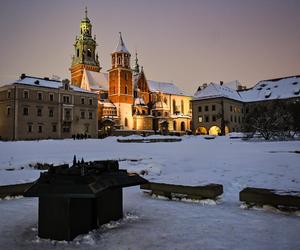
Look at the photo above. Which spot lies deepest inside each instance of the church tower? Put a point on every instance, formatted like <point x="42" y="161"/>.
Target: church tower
<point x="85" y="56"/>
<point x="121" y="85"/>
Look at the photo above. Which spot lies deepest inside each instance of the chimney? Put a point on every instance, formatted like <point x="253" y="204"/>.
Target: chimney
<point x="23" y="75"/>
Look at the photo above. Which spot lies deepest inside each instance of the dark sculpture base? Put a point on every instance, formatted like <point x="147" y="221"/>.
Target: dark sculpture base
<point x="65" y="218"/>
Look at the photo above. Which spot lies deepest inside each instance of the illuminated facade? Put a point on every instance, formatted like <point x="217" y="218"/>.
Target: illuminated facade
<point x="126" y="98"/>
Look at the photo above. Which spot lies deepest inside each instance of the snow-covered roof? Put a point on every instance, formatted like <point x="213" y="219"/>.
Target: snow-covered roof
<point x="214" y="90"/>
<point x="164" y="87"/>
<point x="46" y="83"/>
<point x="121" y="46"/>
<point x="106" y="104"/>
<point x="92" y="80"/>
<point x="281" y="88"/>
<point x="139" y="101"/>
<point x="160" y="105"/>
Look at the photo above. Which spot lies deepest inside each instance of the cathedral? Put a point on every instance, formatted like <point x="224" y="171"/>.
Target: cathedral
<point x="127" y="100"/>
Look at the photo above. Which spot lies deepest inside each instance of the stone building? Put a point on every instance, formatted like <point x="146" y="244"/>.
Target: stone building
<point x="216" y="106"/>
<point x="126" y="99"/>
<point x="40" y="108"/>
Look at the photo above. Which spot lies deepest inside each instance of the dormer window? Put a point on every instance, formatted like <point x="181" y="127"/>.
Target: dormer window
<point x="66" y="84"/>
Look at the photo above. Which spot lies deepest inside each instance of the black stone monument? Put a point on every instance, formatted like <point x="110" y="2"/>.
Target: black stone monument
<point x="75" y="200"/>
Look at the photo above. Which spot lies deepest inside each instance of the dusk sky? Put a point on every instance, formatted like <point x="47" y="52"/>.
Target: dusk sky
<point x="188" y="42"/>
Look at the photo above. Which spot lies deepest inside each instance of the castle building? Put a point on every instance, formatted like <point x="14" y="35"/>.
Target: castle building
<point x="41" y="108"/>
<point x="225" y="105"/>
<point x="127" y="100"/>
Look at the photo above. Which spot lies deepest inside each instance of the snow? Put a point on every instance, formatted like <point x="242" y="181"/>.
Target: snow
<point x="214" y="90"/>
<point x="29" y="80"/>
<point x="164" y="87"/>
<point x="153" y="223"/>
<point x="106" y="104"/>
<point x="282" y="88"/>
<point x="121" y="46"/>
<point x="92" y="80"/>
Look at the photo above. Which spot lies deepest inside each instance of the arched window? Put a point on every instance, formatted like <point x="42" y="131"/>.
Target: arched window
<point x="126" y="122"/>
<point x="119" y="60"/>
<point x="89" y="53"/>
<point x="174" y="106"/>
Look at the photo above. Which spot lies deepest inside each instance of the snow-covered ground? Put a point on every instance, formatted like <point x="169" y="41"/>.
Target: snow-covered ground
<point x="152" y="223"/>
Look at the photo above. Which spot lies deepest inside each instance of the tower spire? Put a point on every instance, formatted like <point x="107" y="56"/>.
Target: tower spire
<point x="136" y="68"/>
<point x="86" y="12"/>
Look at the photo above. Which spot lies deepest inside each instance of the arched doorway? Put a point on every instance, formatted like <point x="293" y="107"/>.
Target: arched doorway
<point x="202" y="131"/>
<point x="182" y="126"/>
<point x="174" y="126"/>
<point x="214" y="130"/>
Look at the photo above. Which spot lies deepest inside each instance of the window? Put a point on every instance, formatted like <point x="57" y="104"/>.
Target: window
<point x="50" y="112"/>
<point x="39" y="112"/>
<point x="89" y="53"/>
<point x="119" y="60"/>
<point x="206" y="118"/>
<point x="29" y="128"/>
<point x="126" y="122"/>
<point x="90" y="115"/>
<point x="158" y="114"/>
<point x="8" y="111"/>
<point x="91" y="101"/>
<point x="214" y="118"/>
<point x="231" y="118"/>
<point x="182" y="107"/>
<point x="231" y="108"/>
<point x="200" y="119"/>
<point x="82" y="114"/>
<point x="174" y="125"/>
<point x="126" y="90"/>
<point x="8" y="94"/>
<point x="40" y="96"/>
<point x="126" y="76"/>
<point x="51" y="97"/>
<point x="54" y="128"/>
<point x="174" y="107"/>
<point x="199" y="109"/>
<point x="82" y="100"/>
<point x="239" y="119"/>
<point x="40" y="129"/>
<point x="235" y="119"/>
<point x="25" y="94"/>
<point x="213" y="107"/>
<point x="206" y="108"/>
<point x="66" y="99"/>
<point x="25" y="111"/>
<point x="67" y="114"/>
